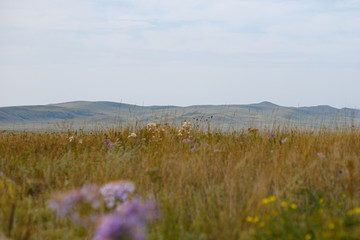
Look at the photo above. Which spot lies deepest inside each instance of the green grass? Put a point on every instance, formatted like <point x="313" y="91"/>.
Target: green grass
<point x="221" y="185"/>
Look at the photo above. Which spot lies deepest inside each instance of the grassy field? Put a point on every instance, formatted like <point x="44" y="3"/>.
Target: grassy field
<point x="284" y="183"/>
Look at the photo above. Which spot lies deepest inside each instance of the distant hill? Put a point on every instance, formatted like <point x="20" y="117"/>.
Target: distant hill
<point x="225" y="116"/>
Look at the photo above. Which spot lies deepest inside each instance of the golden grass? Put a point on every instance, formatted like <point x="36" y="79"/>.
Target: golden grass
<point x="206" y="188"/>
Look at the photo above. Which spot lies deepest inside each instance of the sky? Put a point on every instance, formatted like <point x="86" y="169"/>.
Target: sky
<point x="180" y="52"/>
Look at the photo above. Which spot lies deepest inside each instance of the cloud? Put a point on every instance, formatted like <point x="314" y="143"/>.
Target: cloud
<point x="185" y="40"/>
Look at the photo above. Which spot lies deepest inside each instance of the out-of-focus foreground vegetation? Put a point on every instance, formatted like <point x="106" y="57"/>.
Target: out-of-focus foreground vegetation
<point x="282" y="183"/>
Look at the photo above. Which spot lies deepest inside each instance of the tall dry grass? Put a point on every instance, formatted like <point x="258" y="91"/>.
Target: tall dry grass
<point x="207" y="186"/>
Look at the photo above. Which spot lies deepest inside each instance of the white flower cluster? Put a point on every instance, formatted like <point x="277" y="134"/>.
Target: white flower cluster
<point x="185" y="129"/>
<point x="132" y="136"/>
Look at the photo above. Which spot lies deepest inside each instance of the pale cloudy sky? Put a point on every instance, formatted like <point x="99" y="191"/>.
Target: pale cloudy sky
<point x="180" y="52"/>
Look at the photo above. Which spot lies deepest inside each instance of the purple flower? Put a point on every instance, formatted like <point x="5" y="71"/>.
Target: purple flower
<point x="188" y="140"/>
<point x="91" y="195"/>
<point x="128" y="222"/>
<point x="63" y="203"/>
<point x="284" y="140"/>
<point x="320" y="155"/>
<point x="271" y="135"/>
<point x="108" y="143"/>
<point x="116" y="227"/>
<point x="144" y="212"/>
<point x="116" y="191"/>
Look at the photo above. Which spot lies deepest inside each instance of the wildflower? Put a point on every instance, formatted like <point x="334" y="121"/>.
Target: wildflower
<point x="284" y="204"/>
<point x="261" y="224"/>
<point x="284" y="140"/>
<point x="91" y="195"/>
<point x="114" y="226"/>
<point x="135" y="208"/>
<point x="321" y="200"/>
<point x="188" y="139"/>
<point x="343" y="195"/>
<point x="132" y="136"/>
<point x="72" y="138"/>
<point x="127" y="222"/>
<point x="249" y="219"/>
<point x="265" y="201"/>
<point x="256" y="219"/>
<point x="293" y="206"/>
<point x="62" y="204"/>
<point x="109" y="144"/>
<point x="186" y="126"/>
<point x="272" y="199"/>
<point x="151" y="126"/>
<point x="331" y="226"/>
<point x="308" y="236"/>
<point x="320" y="155"/>
<point x="271" y="135"/>
<point x="116" y="191"/>
<point x="354" y="211"/>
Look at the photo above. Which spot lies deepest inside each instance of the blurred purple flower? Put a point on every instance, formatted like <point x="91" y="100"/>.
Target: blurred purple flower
<point x="63" y="203"/>
<point x="128" y="222"/>
<point x="116" y="191"/>
<point x="320" y="155"/>
<point x="144" y="212"/>
<point x="271" y="135"/>
<point x="108" y="143"/>
<point x="188" y="139"/>
<point x="284" y="140"/>
<point x="91" y="195"/>
<point x="116" y="227"/>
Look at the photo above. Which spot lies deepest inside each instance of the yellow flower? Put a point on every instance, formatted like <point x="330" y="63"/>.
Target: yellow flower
<point x="321" y="200"/>
<point x="355" y="210"/>
<point x="249" y="219"/>
<point x="343" y="195"/>
<point x="256" y="219"/>
<point x="331" y="226"/>
<point x="272" y="199"/>
<point x="284" y="204"/>
<point x="308" y="236"/>
<point x="293" y="206"/>
<point x="265" y="201"/>
<point x="261" y="224"/>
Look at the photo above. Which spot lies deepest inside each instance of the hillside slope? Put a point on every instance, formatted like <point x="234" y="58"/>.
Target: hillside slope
<point x="260" y="114"/>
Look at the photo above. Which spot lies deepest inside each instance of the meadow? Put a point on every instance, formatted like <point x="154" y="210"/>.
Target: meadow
<point x="274" y="183"/>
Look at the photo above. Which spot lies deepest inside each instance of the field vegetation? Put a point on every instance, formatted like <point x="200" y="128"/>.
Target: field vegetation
<point x="276" y="183"/>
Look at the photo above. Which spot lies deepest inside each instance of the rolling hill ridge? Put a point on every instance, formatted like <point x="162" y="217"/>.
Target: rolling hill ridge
<point x="262" y="114"/>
